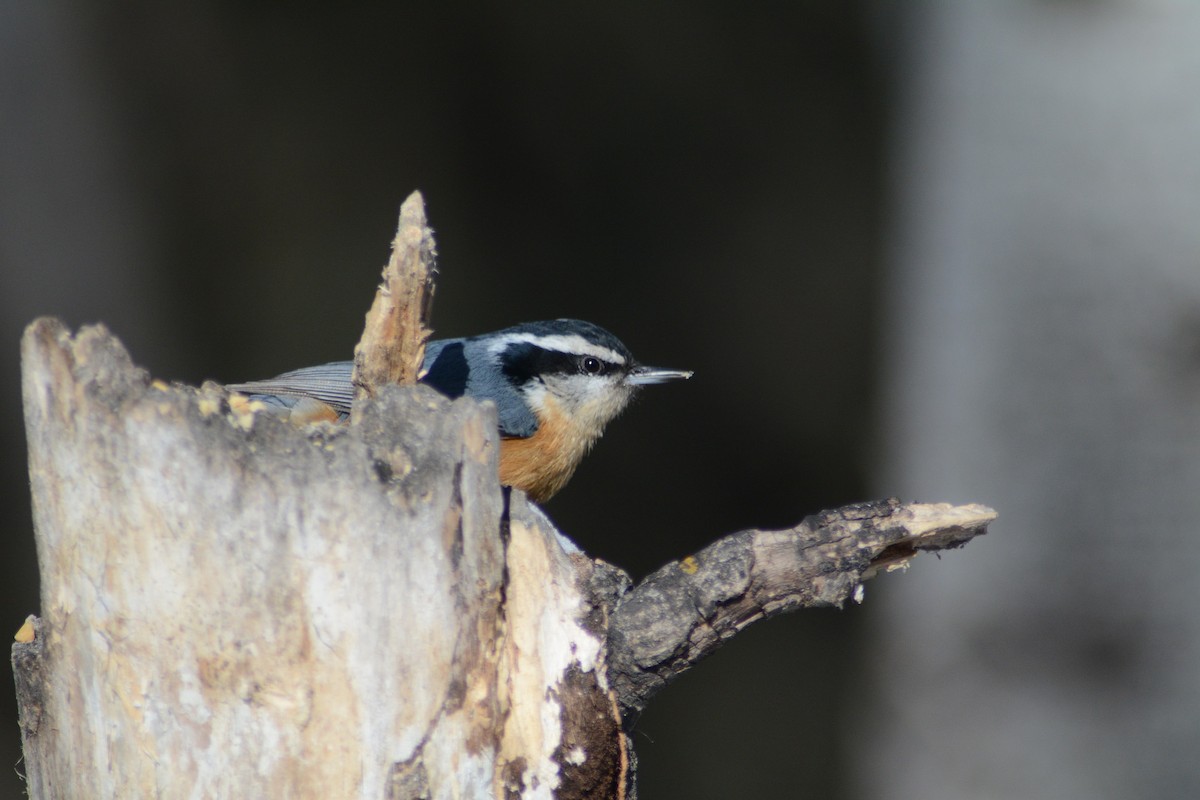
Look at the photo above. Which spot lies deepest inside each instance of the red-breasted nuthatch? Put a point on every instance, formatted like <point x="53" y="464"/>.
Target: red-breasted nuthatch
<point x="556" y="384"/>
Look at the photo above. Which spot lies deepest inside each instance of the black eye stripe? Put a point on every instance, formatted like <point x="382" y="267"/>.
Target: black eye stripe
<point x="522" y="362"/>
<point x="586" y="331"/>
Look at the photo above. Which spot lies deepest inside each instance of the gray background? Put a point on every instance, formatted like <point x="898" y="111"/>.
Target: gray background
<point x="943" y="250"/>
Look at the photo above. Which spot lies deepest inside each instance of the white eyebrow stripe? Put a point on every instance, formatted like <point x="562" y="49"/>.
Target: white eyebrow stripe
<point x="573" y="344"/>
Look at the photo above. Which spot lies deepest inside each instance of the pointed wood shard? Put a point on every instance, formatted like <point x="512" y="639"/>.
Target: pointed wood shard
<point x="392" y="346"/>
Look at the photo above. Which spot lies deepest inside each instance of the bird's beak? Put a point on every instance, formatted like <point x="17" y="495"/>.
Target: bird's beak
<point x="644" y="376"/>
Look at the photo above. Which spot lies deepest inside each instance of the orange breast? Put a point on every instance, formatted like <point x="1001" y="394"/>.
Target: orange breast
<point x="541" y="465"/>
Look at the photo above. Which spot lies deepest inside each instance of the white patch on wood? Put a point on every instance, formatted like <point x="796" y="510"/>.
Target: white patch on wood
<point x="545" y="642"/>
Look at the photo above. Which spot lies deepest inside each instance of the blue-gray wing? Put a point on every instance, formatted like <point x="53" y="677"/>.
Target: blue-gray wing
<point x="457" y="367"/>
<point x="328" y="383"/>
<point x="445" y="369"/>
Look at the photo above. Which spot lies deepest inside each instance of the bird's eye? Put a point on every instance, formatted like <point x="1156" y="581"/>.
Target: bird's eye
<point x="592" y="365"/>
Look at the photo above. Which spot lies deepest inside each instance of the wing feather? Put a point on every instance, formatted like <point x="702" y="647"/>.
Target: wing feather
<point x="328" y="383"/>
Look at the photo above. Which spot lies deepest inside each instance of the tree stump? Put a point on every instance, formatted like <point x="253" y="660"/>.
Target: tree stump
<point x="236" y="607"/>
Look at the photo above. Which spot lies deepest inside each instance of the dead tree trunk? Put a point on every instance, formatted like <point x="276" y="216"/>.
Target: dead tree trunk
<point x="235" y="607"/>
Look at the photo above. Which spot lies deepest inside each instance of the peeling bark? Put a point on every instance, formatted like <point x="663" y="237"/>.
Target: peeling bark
<point x="236" y="607"/>
<point x="392" y="347"/>
<point x="233" y="606"/>
<point x="689" y="608"/>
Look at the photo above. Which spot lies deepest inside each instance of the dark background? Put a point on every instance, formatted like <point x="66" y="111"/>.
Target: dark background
<point x="219" y="183"/>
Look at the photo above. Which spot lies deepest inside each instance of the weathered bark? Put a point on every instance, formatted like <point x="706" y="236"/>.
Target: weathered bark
<point x="236" y="607"/>
<point x="392" y="347"/>
<point x="689" y="608"/>
<point x="233" y="606"/>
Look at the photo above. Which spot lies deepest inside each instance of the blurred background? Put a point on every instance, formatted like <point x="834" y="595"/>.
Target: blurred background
<point x="941" y="250"/>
